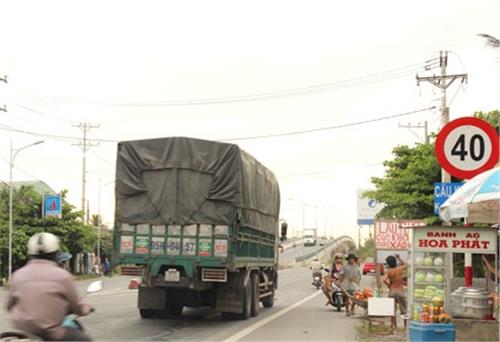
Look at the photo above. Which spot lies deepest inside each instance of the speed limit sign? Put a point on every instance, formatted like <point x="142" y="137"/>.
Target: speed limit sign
<point x="466" y="147"/>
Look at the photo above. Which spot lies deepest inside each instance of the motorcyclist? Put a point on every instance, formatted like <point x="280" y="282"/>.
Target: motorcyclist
<point x="316" y="266"/>
<point x="41" y="294"/>
<point x="337" y="266"/>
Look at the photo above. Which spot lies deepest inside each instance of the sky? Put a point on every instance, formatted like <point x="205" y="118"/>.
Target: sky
<point x="230" y="69"/>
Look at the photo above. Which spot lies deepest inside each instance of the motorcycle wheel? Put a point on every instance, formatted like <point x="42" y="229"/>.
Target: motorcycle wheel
<point x="338" y="302"/>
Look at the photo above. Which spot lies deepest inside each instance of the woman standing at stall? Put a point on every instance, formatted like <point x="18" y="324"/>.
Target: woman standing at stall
<point x="350" y="276"/>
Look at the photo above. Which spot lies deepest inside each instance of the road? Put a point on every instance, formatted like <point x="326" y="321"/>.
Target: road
<point x="299" y="313"/>
<point x="290" y="254"/>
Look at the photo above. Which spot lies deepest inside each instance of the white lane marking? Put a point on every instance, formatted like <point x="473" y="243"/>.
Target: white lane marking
<point x="110" y="292"/>
<point x="266" y="320"/>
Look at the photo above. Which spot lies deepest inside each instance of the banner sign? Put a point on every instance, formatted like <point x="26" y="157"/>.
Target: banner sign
<point x="393" y="234"/>
<point x="455" y="240"/>
<point x="52" y="206"/>
<point x="443" y="191"/>
<point x="367" y="208"/>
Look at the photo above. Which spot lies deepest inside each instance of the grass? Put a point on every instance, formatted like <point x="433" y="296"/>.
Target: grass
<point x="378" y="332"/>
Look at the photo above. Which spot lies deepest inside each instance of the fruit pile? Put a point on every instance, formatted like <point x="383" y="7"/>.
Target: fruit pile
<point x="433" y="313"/>
<point x="430" y="292"/>
<point x="363" y="295"/>
<point x="430" y="277"/>
<point x="429" y="261"/>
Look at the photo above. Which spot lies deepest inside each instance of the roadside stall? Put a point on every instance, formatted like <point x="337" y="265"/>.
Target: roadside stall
<point x="391" y="238"/>
<point x="438" y="310"/>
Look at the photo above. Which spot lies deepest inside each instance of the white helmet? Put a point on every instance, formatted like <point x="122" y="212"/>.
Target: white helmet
<point x="315" y="258"/>
<point x="43" y="243"/>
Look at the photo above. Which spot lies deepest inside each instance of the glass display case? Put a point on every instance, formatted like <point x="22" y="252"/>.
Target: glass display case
<point x="430" y="280"/>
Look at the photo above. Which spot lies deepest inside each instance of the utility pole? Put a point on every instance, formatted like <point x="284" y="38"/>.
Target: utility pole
<point x="85" y="145"/>
<point x="4" y="79"/>
<point x="424" y="126"/>
<point x="443" y="81"/>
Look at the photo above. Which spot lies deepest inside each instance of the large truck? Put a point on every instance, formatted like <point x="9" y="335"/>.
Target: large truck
<point x="310" y="237"/>
<point x="201" y="218"/>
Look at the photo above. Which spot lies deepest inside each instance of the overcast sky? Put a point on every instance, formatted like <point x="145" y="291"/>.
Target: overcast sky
<point x="149" y="69"/>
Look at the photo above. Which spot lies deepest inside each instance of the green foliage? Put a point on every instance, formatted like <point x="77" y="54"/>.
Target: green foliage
<point x="408" y="186"/>
<point x="27" y="208"/>
<point x="367" y="250"/>
<point x="493" y="117"/>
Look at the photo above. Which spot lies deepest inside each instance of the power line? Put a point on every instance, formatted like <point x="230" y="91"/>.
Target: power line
<point x="38" y="112"/>
<point x="301" y="91"/>
<point x="19" y="169"/>
<point x="102" y="159"/>
<point x="312" y="130"/>
<point x="357" y="123"/>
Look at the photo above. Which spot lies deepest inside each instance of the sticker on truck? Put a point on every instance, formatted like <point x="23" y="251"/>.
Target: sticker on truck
<point x="205" y="247"/>
<point x="158" y="229"/>
<point x="188" y="246"/>
<point x="205" y="230"/>
<point x="142" y="245"/>
<point x="174" y="230"/>
<point x="157" y="245"/>
<point x="220" y="248"/>
<point x="173" y="246"/>
<point x="127" y="244"/>
<point x="143" y="228"/>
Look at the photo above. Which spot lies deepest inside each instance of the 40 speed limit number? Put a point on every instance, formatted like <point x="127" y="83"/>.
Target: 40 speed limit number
<point x="466" y="147"/>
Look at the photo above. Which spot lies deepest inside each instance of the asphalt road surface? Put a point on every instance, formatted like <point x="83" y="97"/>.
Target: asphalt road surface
<point x="291" y="253"/>
<point x="299" y="314"/>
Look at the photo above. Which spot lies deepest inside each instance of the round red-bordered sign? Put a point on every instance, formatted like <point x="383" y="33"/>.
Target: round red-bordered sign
<point x="466" y="147"/>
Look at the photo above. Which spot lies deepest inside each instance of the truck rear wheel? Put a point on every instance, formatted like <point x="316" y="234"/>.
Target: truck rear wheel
<point x="247" y="305"/>
<point x="173" y="309"/>
<point x="255" y="294"/>
<point x="268" y="301"/>
<point x="150" y="313"/>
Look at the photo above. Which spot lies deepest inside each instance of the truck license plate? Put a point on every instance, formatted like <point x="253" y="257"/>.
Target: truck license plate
<point x="172" y="275"/>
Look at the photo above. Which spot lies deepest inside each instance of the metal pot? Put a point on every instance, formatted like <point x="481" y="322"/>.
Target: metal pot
<point x="467" y="302"/>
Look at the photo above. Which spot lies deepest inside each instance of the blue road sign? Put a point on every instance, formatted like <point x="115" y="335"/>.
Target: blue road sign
<point x="52" y="206"/>
<point x="442" y="191"/>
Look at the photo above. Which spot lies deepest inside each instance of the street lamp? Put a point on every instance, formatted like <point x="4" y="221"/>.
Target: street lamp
<point x="13" y="154"/>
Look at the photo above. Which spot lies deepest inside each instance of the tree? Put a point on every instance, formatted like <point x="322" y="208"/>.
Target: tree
<point x="408" y="186"/>
<point x="493" y="117"/>
<point x="367" y="250"/>
<point x="27" y="208"/>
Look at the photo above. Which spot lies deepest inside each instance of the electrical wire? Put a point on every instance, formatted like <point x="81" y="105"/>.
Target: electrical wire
<point x="19" y="169"/>
<point x="102" y="159"/>
<point x="313" y="130"/>
<point x="38" y="112"/>
<point x="301" y="91"/>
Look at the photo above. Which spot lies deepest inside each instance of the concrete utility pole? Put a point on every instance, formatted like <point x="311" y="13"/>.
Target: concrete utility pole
<point x="443" y="81"/>
<point x="85" y="146"/>
<point x="4" y="79"/>
<point x="13" y="154"/>
<point x="425" y="126"/>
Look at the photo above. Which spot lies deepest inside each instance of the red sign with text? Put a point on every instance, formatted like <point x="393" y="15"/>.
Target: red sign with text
<point x="456" y="240"/>
<point x="394" y="235"/>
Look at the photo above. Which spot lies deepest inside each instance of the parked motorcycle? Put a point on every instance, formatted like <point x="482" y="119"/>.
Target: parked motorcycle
<point x="70" y="321"/>
<point x="335" y="293"/>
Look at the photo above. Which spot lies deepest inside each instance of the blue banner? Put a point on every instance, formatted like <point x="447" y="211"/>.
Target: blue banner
<point x="442" y="191"/>
<point x="52" y="206"/>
